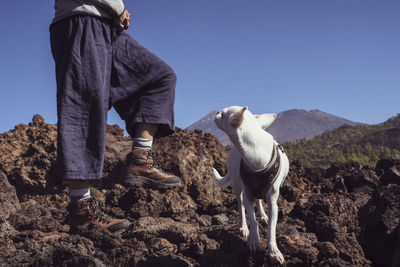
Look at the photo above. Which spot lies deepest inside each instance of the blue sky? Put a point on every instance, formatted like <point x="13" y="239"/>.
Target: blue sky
<point x="339" y="56"/>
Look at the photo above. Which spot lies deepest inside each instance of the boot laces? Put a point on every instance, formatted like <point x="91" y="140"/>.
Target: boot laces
<point x="92" y="207"/>
<point x="156" y="162"/>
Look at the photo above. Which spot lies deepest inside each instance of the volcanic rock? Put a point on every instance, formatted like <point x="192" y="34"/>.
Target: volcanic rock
<point x="347" y="215"/>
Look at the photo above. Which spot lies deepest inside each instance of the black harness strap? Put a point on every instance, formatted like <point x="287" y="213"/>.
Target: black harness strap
<point x="258" y="182"/>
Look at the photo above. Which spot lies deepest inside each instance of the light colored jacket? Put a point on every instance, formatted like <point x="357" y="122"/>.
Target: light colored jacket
<point x="98" y="8"/>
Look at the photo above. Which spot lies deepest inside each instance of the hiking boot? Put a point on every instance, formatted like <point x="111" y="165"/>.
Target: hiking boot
<point x="143" y="168"/>
<point x="87" y="211"/>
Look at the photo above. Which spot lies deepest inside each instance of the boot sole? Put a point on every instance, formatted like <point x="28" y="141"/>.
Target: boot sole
<point x="119" y="226"/>
<point x="140" y="181"/>
<point x="113" y="228"/>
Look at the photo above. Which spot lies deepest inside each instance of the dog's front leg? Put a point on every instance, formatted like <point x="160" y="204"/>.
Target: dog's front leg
<point x="271" y="199"/>
<point x="253" y="241"/>
<point x="244" y="229"/>
<point x="260" y="208"/>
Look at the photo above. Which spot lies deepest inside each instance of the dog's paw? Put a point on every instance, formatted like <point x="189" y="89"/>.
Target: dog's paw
<point x="244" y="231"/>
<point x="253" y="242"/>
<point x="264" y="219"/>
<point x="276" y="256"/>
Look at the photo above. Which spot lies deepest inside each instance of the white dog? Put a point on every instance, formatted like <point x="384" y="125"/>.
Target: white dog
<point x="257" y="167"/>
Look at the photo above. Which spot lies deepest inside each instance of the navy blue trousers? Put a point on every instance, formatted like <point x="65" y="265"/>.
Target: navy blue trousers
<point x="97" y="69"/>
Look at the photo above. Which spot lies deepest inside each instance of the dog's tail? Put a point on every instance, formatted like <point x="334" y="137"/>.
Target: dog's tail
<point x="221" y="181"/>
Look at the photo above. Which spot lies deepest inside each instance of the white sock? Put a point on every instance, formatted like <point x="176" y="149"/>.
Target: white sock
<point x="142" y="143"/>
<point x="79" y="193"/>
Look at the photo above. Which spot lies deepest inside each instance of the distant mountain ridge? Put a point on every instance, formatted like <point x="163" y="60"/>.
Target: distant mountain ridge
<point x="295" y="124"/>
<point x="207" y="125"/>
<point x="365" y="144"/>
<point x="289" y="125"/>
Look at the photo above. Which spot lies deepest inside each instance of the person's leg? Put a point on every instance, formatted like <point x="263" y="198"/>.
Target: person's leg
<point x="82" y="52"/>
<point x="144" y="135"/>
<point x="143" y="93"/>
<point x="82" y="57"/>
<point x="142" y="88"/>
<point x="145" y="130"/>
<point x="79" y="189"/>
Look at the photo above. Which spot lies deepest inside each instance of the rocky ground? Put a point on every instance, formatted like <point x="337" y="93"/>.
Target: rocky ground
<point x="348" y="215"/>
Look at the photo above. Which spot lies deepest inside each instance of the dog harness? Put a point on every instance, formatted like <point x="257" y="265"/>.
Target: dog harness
<point x="257" y="182"/>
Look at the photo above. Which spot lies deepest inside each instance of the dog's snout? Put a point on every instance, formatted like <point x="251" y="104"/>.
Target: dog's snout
<point x="217" y="116"/>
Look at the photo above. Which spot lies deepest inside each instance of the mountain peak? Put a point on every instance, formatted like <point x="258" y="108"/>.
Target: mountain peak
<point x="290" y="125"/>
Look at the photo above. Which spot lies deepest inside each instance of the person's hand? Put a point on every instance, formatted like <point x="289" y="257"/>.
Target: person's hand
<point x="122" y="23"/>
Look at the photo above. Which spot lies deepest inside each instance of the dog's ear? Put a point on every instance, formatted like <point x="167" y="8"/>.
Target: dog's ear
<point x="265" y="119"/>
<point x="238" y="119"/>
